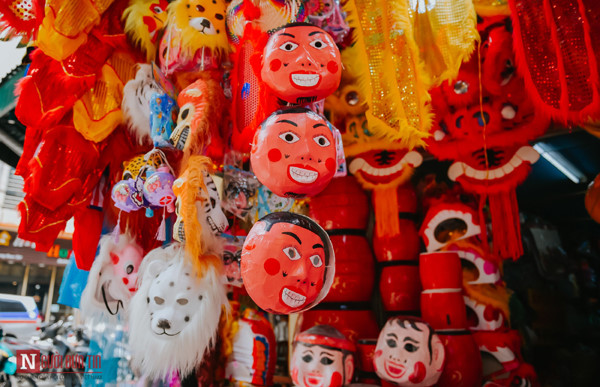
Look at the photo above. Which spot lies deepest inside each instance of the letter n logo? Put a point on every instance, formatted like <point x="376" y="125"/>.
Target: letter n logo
<point x="28" y="361"/>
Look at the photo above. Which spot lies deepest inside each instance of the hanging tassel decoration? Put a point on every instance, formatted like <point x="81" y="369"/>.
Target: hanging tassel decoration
<point x="506" y="225"/>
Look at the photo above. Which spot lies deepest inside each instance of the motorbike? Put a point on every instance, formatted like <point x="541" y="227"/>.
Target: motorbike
<point x="8" y="362"/>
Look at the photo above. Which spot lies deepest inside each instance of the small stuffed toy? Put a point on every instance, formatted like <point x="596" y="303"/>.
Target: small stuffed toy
<point x="112" y="279"/>
<point x="175" y="313"/>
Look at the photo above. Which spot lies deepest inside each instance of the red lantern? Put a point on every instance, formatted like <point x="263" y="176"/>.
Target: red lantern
<point x="441" y="270"/>
<point x="400" y="287"/>
<point x="353" y="323"/>
<point x="342" y="205"/>
<point x="444" y="310"/>
<point x="463" y="360"/>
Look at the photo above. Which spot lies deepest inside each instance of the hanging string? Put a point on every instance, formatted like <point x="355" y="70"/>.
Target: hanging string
<point x="483" y="197"/>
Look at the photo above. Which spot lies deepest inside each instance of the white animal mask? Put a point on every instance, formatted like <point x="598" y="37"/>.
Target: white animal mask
<point x="112" y="278"/>
<point x="136" y="101"/>
<point x="175" y="313"/>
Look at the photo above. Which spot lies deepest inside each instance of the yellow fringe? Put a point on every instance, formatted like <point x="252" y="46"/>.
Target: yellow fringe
<point x="385" y="201"/>
<point x="489" y="294"/>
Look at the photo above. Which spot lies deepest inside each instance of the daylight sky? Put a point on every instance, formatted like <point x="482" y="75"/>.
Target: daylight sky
<point x="10" y="56"/>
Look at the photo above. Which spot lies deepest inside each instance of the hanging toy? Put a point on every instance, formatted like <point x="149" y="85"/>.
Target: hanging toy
<point x="162" y="110"/>
<point x="232" y="254"/>
<point x="112" y="279"/>
<point x="195" y="38"/>
<point x="20" y="18"/>
<point x="200" y="218"/>
<point x="201" y="107"/>
<point x="174" y="315"/>
<point x="241" y="191"/>
<point x="322" y="356"/>
<point x="294" y="153"/>
<point x="301" y="64"/>
<point x="409" y="353"/>
<point x="288" y="263"/>
<point x="128" y="194"/>
<point x="138" y="94"/>
<point x="144" y="22"/>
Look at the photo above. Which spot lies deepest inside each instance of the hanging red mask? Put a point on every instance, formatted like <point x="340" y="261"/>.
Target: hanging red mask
<point x="287" y="263"/>
<point x="301" y="64"/>
<point x="488" y="139"/>
<point x="294" y="153"/>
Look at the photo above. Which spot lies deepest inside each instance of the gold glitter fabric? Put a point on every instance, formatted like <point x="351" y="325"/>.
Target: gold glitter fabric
<point x="491" y="7"/>
<point x="389" y="70"/>
<point x="403" y="47"/>
<point x="444" y="31"/>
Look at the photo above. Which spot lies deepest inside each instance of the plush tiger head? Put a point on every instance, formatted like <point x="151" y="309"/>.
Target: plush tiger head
<point x="196" y="24"/>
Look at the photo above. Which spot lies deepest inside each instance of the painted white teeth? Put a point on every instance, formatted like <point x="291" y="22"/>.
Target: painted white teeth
<point x="470" y="172"/>
<point x="438" y="135"/>
<point x="480" y="175"/>
<point x="508" y="168"/>
<point x="356" y="165"/>
<point x="305" y="80"/>
<point x="456" y="170"/>
<point x="413" y="158"/>
<point x="292" y="299"/>
<point x="527" y="153"/>
<point x="515" y="161"/>
<point x="303" y="175"/>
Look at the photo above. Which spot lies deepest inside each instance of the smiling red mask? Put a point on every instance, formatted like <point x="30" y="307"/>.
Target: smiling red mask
<point x="409" y="353"/>
<point x="287" y="263"/>
<point x="294" y="153"/>
<point x="301" y="64"/>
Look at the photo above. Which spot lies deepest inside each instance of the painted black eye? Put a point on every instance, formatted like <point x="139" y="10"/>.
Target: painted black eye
<point x="410" y="347"/>
<point x="200" y="8"/>
<point x="321" y="141"/>
<point x="219" y="16"/>
<point x="157" y="10"/>
<point x="307" y="358"/>
<point x="291" y="253"/>
<point x="185" y="113"/>
<point x="182" y="301"/>
<point x="213" y="202"/>
<point x="289" y="46"/>
<point x="159" y="301"/>
<point x="391" y="343"/>
<point x="289" y="137"/>
<point x="316" y="261"/>
<point x="129" y="269"/>
<point x="326" y="361"/>
<point x="319" y="44"/>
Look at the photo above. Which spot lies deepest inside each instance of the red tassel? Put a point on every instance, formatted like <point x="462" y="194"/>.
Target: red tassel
<point x="506" y="225"/>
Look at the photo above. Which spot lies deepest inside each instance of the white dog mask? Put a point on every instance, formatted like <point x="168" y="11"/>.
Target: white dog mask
<point x="175" y="314"/>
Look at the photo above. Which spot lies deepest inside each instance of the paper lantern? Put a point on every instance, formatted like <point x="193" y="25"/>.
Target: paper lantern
<point x="409" y="353"/>
<point x="288" y="263"/>
<point x="294" y="153"/>
<point x="301" y="64"/>
<point x="463" y="360"/>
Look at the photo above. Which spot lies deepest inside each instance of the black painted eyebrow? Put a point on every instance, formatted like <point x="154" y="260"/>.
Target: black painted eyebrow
<point x="293" y="236"/>
<point x="286" y="34"/>
<point x="393" y="334"/>
<point x="407" y="338"/>
<point x="326" y="353"/>
<point x="288" y="122"/>
<point x="314" y="33"/>
<point x="318" y="245"/>
<point x="319" y="124"/>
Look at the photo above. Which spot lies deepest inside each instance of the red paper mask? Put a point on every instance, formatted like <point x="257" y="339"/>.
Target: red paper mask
<point x="294" y="153"/>
<point x="408" y="353"/>
<point x="322" y="357"/>
<point x="301" y="64"/>
<point x="287" y="263"/>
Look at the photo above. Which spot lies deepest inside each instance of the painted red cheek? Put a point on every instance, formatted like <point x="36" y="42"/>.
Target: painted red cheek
<point x="295" y="375"/>
<point x="272" y="266"/>
<point x="250" y="246"/>
<point x="336" y="380"/>
<point x="114" y="258"/>
<point x="377" y="353"/>
<point x="418" y="374"/>
<point x="275" y="65"/>
<point x="125" y="281"/>
<point x="274" y="155"/>
<point x="332" y="66"/>
<point x="330" y="164"/>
